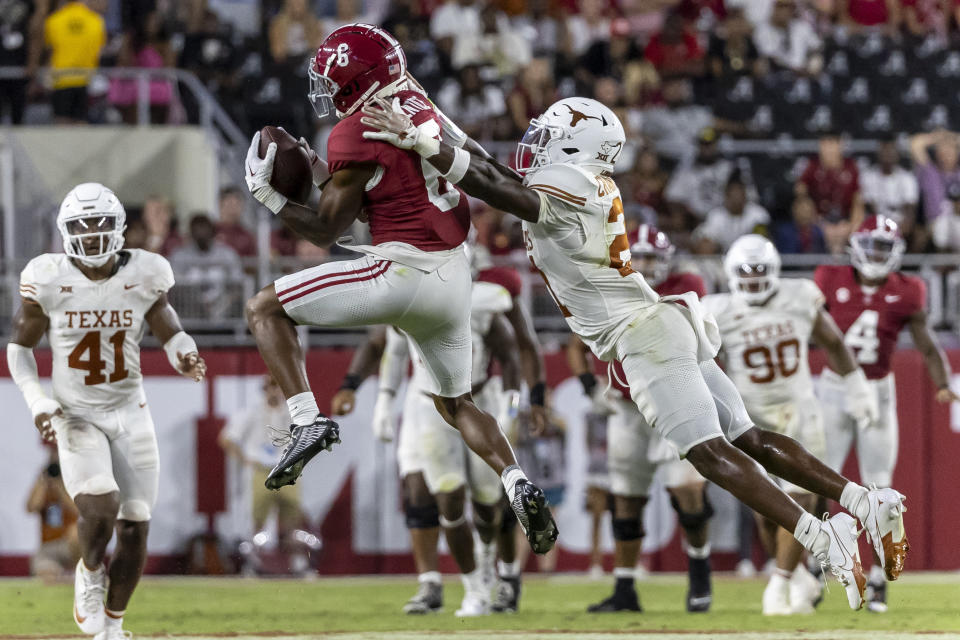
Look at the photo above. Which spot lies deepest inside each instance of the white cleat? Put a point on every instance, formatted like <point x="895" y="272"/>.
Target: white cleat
<point x="474" y="604"/>
<point x="843" y="556"/>
<point x="745" y="569"/>
<point x="776" y="597"/>
<point x="88" y="594"/>
<point x="884" y="527"/>
<point x="805" y="591"/>
<point x="113" y="632"/>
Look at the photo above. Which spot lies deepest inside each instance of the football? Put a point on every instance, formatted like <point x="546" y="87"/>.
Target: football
<point x="291" y="176"/>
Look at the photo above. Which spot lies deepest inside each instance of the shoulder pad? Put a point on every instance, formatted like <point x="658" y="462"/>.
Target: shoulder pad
<point x="566" y="182"/>
<point x="155" y="267"/>
<point x="716" y="303"/>
<point x="802" y="293"/>
<point x="43" y="269"/>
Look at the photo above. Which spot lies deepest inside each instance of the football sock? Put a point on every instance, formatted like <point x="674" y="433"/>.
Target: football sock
<point x="303" y="408"/>
<point x="473" y="581"/>
<point x="510" y="476"/>
<point x="854" y="500"/>
<point x="508" y="569"/>
<point x="429" y="576"/>
<point x="810" y="534"/>
<point x="877" y="575"/>
<point x="89" y="575"/>
<point x="699" y="553"/>
<point x="114" y="618"/>
<point x="623" y="580"/>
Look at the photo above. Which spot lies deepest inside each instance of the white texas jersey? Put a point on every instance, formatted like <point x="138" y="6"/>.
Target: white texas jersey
<point x="579" y="245"/>
<point x="486" y="300"/>
<point x="96" y="326"/>
<point x="766" y="345"/>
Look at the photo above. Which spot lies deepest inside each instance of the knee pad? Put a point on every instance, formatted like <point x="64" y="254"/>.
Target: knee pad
<point x="422" y="517"/>
<point x="693" y="521"/>
<point x="453" y="524"/>
<point x="134" y="511"/>
<point x="627" y="529"/>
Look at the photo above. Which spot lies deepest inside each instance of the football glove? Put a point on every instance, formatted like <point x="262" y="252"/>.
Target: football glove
<point x="258" y="172"/>
<point x="395" y="127"/>
<point x="861" y="401"/>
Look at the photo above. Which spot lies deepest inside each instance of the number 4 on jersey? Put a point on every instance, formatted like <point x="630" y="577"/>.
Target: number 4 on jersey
<point x="93" y="364"/>
<point x="862" y="337"/>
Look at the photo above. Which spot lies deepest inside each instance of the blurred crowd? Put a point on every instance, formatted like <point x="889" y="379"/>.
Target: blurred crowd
<point x="689" y="79"/>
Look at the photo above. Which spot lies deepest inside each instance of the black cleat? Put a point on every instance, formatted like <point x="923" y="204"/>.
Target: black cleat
<point x="302" y="444"/>
<point x="507" y="597"/>
<point x="428" y="599"/>
<point x="533" y="514"/>
<point x="700" y="593"/>
<point x="877" y="597"/>
<point x="619" y="601"/>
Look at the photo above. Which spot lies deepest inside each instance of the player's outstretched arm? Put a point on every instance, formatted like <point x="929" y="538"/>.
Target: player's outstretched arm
<point x="29" y="324"/>
<point x="933" y="356"/>
<point x="181" y="350"/>
<point x="479" y="177"/>
<point x="861" y="402"/>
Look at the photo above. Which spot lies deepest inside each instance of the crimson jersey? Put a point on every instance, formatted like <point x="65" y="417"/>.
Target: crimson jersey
<point x="870" y="320"/>
<point x="506" y="277"/>
<point x="406" y="200"/>
<point x="676" y="283"/>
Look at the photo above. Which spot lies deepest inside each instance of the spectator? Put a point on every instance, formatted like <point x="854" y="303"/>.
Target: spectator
<point x="533" y="92"/>
<point x="247" y="438"/>
<point x="924" y="17"/>
<point x="618" y="57"/>
<point x="471" y="103"/>
<point x="757" y="12"/>
<point x="147" y="46"/>
<point x="230" y="228"/>
<point x="496" y="45"/>
<point x="833" y="182"/>
<point x="945" y="230"/>
<point x="673" y="127"/>
<point x="675" y="49"/>
<point x="20" y="29"/>
<point x="788" y="41"/>
<point x="732" y="51"/>
<point x="294" y="34"/>
<point x="207" y="267"/>
<point x="162" y="236"/>
<point x="75" y="34"/>
<point x="697" y="187"/>
<point x="452" y="20"/>
<point x="801" y="234"/>
<point x="587" y="26"/>
<point x="890" y="190"/>
<point x="935" y="174"/>
<point x="860" y="15"/>
<point x="209" y="53"/>
<point x="135" y="235"/>
<point x="736" y="217"/>
<point x="541" y="27"/>
<point x="59" y="549"/>
<point x="647" y="182"/>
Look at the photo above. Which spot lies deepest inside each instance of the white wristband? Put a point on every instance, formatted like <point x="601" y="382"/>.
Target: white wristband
<point x="458" y="168"/>
<point x="180" y="343"/>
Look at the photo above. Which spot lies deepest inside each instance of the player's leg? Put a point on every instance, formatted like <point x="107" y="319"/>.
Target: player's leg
<point x="87" y="470"/>
<point x="136" y="467"/>
<point x="507" y="594"/>
<point x="631" y="474"/>
<point x="423" y="523"/>
<point x="688" y="496"/>
<point x="659" y="355"/>
<point x="486" y="493"/>
<point x="596" y="504"/>
<point x="336" y="294"/>
<point x="877" y="448"/>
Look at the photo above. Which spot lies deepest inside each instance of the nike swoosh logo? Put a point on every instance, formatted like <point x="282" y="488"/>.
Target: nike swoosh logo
<point x="129" y="286"/>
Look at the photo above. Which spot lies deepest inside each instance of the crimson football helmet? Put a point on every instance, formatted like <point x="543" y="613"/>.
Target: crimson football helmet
<point x="876" y="247"/>
<point x="355" y="64"/>
<point x="652" y="252"/>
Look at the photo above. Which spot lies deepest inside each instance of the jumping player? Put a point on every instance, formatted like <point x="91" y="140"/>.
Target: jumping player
<point x="575" y="236"/>
<point x="414" y="276"/>
<point x="94" y="302"/>
<point x="766" y="324"/>
<point x="635" y="453"/>
<point x="871" y="302"/>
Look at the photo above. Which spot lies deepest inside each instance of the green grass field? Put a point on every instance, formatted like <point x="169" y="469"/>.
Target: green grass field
<point x="360" y="608"/>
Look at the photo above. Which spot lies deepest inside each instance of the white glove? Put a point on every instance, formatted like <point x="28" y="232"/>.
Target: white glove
<point x="317" y="164"/>
<point x="509" y="409"/>
<point x="861" y="401"/>
<point x="383" y="426"/>
<point x="258" y="172"/>
<point x="395" y="127"/>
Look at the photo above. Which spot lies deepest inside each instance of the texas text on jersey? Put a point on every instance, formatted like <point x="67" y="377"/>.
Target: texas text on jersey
<point x="406" y="200"/>
<point x="870" y="318"/>
<point x="96" y="326"/>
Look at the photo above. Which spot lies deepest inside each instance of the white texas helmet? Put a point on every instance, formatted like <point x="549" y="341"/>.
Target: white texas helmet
<point x="752" y="265"/>
<point x="91" y="221"/>
<point x="578" y="131"/>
